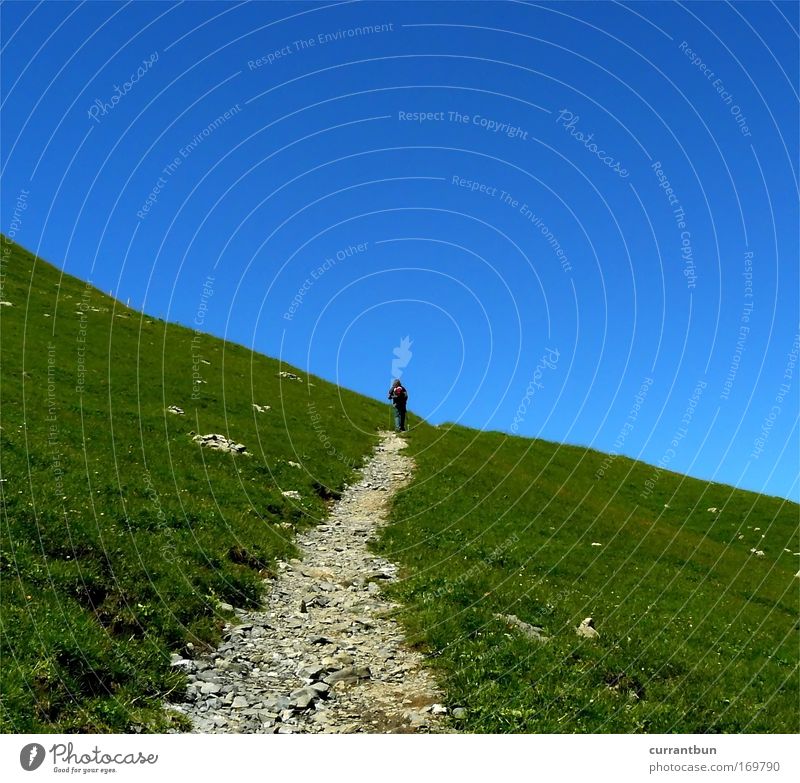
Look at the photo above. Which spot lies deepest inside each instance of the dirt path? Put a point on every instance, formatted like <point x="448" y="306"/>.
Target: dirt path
<point x="322" y="656"/>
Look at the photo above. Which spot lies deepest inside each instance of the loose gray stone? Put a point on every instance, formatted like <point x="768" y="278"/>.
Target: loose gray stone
<point x="587" y="630"/>
<point x="311" y="672"/>
<point x="220" y="443"/>
<point x="303" y="697"/>
<point x="349" y="674"/>
<point x="277" y="704"/>
<point x="531" y="631"/>
<point x="184" y="664"/>
<point x="320" y="640"/>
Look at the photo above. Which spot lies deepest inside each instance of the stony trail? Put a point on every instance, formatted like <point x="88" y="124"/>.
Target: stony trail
<point x="322" y="655"/>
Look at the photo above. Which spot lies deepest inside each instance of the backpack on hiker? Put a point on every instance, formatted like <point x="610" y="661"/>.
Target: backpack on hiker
<point x="398" y="395"/>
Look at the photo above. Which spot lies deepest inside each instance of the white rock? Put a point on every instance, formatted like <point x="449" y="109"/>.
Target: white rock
<point x="531" y="631"/>
<point x="587" y="629"/>
<point x="221" y="443"/>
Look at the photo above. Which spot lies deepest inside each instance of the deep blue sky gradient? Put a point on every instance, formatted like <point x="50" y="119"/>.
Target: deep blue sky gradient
<point x="314" y="159"/>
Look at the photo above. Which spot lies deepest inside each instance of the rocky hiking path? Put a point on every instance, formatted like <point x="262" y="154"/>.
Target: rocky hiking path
<point x="322" y="655"/>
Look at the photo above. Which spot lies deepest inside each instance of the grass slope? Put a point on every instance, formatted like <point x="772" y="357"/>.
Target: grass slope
<point x="119" y="535"/>
<point x="697" y="634"/>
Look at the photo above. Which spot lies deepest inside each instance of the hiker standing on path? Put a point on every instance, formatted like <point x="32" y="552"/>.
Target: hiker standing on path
<point x="399" y="396"/>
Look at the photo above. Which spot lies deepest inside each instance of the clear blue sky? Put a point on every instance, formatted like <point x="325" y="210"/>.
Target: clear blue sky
<point x="493" y="177"/>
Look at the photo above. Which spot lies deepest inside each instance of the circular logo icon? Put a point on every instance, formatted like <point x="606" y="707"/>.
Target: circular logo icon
<point x="31" y="756"/>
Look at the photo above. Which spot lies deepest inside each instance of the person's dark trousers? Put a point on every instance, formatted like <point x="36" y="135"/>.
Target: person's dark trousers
<point x="400" y="418"/>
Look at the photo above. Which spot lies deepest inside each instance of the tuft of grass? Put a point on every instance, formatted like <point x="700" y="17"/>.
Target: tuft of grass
<point x="697" y="633"/>
<point x="119" y="535"/>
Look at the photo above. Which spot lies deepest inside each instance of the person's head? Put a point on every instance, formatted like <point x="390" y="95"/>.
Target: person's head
<point x="395" y="382"/>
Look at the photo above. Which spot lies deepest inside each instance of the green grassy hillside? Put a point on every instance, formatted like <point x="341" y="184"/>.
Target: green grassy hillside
<point x="697" y="632"/>
<point x="120" y="535"/>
